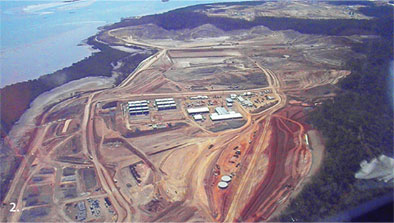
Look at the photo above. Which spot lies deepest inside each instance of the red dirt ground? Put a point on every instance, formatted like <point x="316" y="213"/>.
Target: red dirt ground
<point x="286" y="165"/>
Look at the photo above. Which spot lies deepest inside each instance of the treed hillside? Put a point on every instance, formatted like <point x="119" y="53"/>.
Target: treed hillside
<point x="357" y="125"/>
<point x="181" y="19"/>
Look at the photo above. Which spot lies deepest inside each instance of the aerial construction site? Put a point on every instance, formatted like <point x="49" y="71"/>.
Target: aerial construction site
<point x="212" y="127"/>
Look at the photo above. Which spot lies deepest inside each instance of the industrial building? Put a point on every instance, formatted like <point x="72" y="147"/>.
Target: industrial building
<point x="217" y="117"/>
<point x="165" y="103"/>
<point x="197" y="117"/>
<point x="81" y="211"/>
<point x="241" y="99"/>
<point x="138" y="107"/>
<point x="199" y="97"/>
<point x="81" y="205"/>
<point x="223" y="114"/>
<point x="244" y="102"/>
<point x="69" y="178"/>
<point x="164" y="99"/>
<point x="221" y="111"/>
<point x="199" y="110"/>
<point x="248" y="103"/>
<point x="269" y="97"/>
<point x="139" y="112"/>
<point x="138" y="102"/>
<point x="166" y="106"/>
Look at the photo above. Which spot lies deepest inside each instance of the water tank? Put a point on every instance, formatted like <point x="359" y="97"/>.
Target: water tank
<point x="226" y="178"/>
<point x="222" y="185"/>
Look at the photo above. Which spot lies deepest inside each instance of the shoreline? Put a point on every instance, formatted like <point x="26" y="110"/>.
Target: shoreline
<point x="99" y="64"/>
<point x="27" y="123"/>
<point x="54" y="41"/>
<point x="56" y="52"/>
<point x="12" y="92"/>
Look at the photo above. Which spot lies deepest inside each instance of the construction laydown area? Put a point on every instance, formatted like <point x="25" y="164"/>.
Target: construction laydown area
<point x="209" y="129"/>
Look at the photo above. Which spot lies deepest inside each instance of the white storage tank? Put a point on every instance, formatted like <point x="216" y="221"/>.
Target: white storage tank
<point x="226" y="178"/>
<point x="222" y="185"/>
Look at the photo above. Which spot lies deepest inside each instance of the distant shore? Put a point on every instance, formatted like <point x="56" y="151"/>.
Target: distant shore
<point x="17" y="98"/>
<point x="42" y="37"/>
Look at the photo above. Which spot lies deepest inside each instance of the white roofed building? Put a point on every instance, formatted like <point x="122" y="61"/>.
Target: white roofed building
<point x="164" y="99"/>
<point x="164" y="102"/>
<point x="199" y="97"/>
<point x="240" y="99"/>
<point x="138" y="102"/>
<point x="221" y="111"/>
<point x="197" y="117"/>
<point x="217" y="117"/>
<point x="197" y="110"/>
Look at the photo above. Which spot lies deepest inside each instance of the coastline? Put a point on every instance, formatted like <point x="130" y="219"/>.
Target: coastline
<point x="30" y="61"/>
<point x="17" y="98"/>
<point x="57" y="33"/>
<point x="25" y="92"/>
<point x="27" y="121"/>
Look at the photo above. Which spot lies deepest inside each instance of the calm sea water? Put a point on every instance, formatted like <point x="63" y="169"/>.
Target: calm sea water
<point x="39" y="37"/>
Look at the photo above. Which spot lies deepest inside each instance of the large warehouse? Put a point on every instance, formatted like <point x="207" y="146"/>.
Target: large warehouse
<point x="164" y="99"/>
<point x="223" y="114"/>
<point x="199" y="110"/>
<point x="138" y="107"/>
<point x="217" y="117"/>
<point x="165" y="103"/>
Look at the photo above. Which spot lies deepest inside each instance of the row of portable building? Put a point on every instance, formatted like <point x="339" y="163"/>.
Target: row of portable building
<point x="142" y="106"/>
<point x="220" y="113"/>
<point x="138" y="107"/>
<point x="165" y="103"/>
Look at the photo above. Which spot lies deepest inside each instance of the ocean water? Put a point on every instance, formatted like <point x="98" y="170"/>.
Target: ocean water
<point x="40" y="37"/>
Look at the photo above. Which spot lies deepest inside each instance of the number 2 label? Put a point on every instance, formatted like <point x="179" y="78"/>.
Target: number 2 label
<point x="13" y="207"/>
